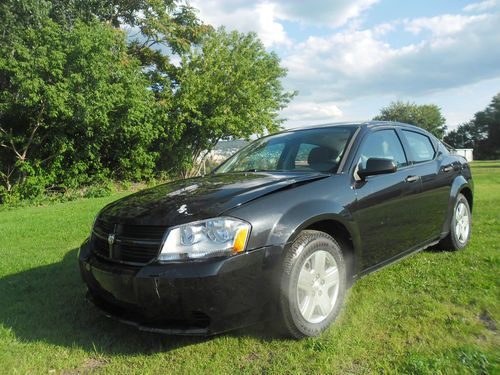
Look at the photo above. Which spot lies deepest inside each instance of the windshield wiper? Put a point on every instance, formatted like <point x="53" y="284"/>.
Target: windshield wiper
<point x="246" y="171"/>
<point x="255" y="170"/>
<point x="278" y="171"/>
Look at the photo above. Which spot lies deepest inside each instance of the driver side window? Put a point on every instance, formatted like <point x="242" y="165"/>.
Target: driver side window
<point x="383" y="144"/>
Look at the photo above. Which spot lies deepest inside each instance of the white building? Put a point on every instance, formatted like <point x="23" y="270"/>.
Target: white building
<point x="465" y="152"/>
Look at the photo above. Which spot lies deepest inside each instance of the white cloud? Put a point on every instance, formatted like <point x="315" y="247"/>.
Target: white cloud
<point x="443" y="25"/>
<point x="244" y="16"/>
<point x="350" y="65"/>
<point x="322" y="12"/>
<point x="359" y="64"/>
<point x="271" y="32"/>
<point x="384" y="28"/>
<point x="266" y="16"/>
<point x="307" y="111"/>
<point x="481" y="6"/>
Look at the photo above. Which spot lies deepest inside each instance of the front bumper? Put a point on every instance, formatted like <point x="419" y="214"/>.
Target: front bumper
<point x="192" y="298"/>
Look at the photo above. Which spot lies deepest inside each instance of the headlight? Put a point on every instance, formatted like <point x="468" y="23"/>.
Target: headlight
<point x="216" y="237"/>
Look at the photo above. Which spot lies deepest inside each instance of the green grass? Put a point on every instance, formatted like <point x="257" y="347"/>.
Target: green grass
<point x="433" y="313"/>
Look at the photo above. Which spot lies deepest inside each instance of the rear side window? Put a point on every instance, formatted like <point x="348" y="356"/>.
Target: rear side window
<point x="383" y="144"/>
<point x="421" y="146"/>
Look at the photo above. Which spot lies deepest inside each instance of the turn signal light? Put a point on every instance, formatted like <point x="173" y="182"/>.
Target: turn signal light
<point x="240" y="241"/>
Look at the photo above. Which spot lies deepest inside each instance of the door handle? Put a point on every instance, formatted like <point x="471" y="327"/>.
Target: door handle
<point x="447" y="168"/>
<point x="411" y="178"/>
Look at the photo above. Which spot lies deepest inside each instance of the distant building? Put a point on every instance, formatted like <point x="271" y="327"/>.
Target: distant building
<point x="465" y="152"/>
<point x="223" y="150"/>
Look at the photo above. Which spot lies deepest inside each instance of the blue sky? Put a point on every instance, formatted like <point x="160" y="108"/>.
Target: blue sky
<point x="349" y="58"/>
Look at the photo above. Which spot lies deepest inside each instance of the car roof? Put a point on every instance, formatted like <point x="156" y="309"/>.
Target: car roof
<point x="368" y="124"/>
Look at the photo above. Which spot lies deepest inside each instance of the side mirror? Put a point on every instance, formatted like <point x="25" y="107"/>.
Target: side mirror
<point x="376" y="166"/>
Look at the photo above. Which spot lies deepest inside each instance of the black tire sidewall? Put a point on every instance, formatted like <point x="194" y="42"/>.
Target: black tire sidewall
<point x="304" y="246"/>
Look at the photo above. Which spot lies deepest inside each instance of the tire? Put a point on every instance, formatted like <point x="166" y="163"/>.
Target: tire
<point x="308" y="310"/>
<point x="457" y="239"/>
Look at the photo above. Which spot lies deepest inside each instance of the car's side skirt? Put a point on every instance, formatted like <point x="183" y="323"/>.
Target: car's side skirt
<point x="397" y="257"/>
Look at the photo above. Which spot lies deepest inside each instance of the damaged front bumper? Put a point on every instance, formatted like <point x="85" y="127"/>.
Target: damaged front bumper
<point x="190" y="298"/>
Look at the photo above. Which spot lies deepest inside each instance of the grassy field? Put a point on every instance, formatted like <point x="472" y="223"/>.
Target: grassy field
<point x="433" y="313"/>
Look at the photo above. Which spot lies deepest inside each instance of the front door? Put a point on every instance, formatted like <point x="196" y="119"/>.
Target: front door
<point x="386" y="204"/>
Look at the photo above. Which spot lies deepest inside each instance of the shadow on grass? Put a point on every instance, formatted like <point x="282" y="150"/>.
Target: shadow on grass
<point x="47" y="304"/>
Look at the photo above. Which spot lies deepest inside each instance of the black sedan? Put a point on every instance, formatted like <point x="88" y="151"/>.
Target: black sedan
<point x="278" y="231"/>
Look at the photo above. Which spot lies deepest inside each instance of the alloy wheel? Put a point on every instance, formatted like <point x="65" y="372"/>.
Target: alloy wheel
<point x="318" y="286"/>
<point x="462" y="222"/>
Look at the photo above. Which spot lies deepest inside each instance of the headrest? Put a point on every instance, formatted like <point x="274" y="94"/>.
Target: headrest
<point x="322" y="158"/>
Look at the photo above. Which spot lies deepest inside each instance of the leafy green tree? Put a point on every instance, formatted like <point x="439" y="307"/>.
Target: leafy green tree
<point x="158" y="30"/>
<point x="462" y="137"/>
<point x="426" y="116"/>
<point x="229" y="87"/>
<point x="74" y="107"/>
<point x="83" y="101"/>
<point x="482" y="133"/>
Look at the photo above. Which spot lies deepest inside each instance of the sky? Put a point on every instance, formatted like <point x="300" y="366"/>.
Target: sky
<point x="349" y="58"/>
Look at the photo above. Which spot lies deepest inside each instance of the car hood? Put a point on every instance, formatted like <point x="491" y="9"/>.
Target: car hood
<point x="198" y="198"/>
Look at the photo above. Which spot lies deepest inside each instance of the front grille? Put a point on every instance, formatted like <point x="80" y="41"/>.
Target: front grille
<point x="104" y="226"/>
<point x="142" y="253"/>
<point x="131" y="244"/>
<point x="142" y="231"/>
<point x="100" y="246"/>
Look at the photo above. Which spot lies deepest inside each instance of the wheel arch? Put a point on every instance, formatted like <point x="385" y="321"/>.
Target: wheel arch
<point x="460" y="186"/>
<point x="343" y="232"/>
<point x="467" y="192"/>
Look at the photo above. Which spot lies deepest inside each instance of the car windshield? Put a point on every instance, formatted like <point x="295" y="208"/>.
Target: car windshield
<point x="315" y="150"/>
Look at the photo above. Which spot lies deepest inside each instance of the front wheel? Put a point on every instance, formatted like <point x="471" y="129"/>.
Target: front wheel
<point x="313" y="284"/>
<point x="460" y="226"/>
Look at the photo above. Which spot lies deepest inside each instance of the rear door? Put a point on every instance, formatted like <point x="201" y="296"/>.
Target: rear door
<point x="436" y="177"/>
<point x="386" y="205"/>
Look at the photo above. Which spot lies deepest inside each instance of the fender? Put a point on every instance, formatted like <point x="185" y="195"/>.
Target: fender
<point x="288" y="212"/>
<point x="459" y="183"/>
<point x="300" y="216"/>
<point x="343" y="217"/>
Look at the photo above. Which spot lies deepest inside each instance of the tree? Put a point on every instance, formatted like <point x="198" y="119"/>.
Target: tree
<point x="481" y="133"/>
<point x="80" y="101"/>
<point x="74" y="107"/>
<point x="229" y="87"/>
<point x="158" y="30"/>
<point x="426" y="116"/>
<point x="83" y="101"/>
<point x="462" y="137"/>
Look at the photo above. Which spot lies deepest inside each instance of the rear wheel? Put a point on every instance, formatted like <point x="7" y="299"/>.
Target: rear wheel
<point x="460" y="226"/>
<point x="313" y="284"/>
